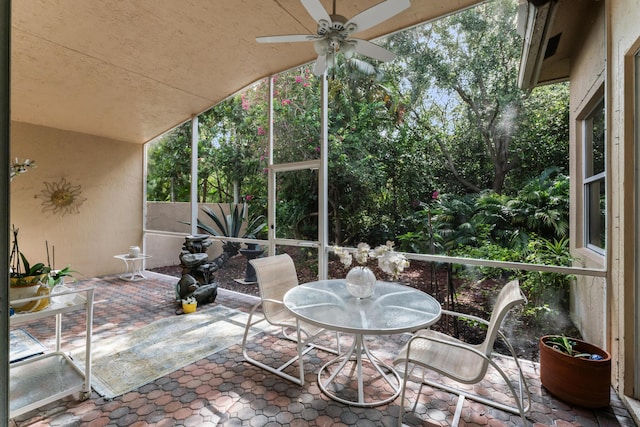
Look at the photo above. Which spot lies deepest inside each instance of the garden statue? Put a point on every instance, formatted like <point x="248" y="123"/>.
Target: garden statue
<point x="187" y="287"/>
<point x="197" y="271"/>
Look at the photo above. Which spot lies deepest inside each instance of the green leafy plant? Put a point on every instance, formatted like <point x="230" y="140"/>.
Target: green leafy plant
<point x="564" y="345"/>
<point x="20" y="266"/>
<point x="230" y="225"/>
<point x="56" y="277"/>
<point x="542" y="287"/>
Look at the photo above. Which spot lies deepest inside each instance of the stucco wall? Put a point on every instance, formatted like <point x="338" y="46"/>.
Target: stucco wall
<point x="624" y="42"/>
<point x="606" y="58"/>
<point x="165" y="235"/>
<point x="588" y="302"/>
<point x="110" y="174"/>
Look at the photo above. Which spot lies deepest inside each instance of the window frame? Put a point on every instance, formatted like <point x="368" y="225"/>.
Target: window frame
<point x="590" y="178"/>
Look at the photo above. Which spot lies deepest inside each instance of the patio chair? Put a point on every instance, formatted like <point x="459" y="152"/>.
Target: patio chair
<point x="276" y="275"/>
<point x="466" y="363"/>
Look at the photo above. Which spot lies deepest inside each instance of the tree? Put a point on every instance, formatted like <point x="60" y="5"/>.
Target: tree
<point x="233" y="143"/>
<point x="440" y="118"/>
<point x="169" y="166"/>
<point x="462" y="73"/>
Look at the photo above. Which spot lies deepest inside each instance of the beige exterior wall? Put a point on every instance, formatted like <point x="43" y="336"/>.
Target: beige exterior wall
<point x="587" y="87"/>
<point x="604" y="64"/>
<point x="165" y="233"/>
<point x="623" y="42"/>
<point x="110" y="174"/>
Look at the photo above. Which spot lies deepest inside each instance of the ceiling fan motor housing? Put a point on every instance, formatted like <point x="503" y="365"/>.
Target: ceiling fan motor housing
<point x="337" y="25"/>
<point x="334" y="31"/>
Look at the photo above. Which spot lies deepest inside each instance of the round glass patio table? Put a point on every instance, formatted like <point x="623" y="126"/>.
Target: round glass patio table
<point x="392" y="309"/>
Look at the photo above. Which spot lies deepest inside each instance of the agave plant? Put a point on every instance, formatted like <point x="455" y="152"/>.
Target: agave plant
<point x="231" y="224"/>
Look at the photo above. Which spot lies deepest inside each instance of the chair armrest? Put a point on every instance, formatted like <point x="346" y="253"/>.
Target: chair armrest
<point x="466" y="316"/>
<point x="457" y="344"/>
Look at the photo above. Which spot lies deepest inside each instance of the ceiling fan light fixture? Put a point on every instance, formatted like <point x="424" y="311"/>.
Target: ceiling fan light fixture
<point x="331" y="60"/>
<point x="321" y="46"/>
<point x="348" y="49"/>
<point x="334" y="32"/>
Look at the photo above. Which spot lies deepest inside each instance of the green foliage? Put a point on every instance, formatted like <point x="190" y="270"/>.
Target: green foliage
<point x="547" y="292"/>
<point x="543" y="135"/>
<point x="446" y="115"/>
<point x="56" y="277"/>
<point x="32" y="270"/>
<point x="462" y="73"/>
<point x="169" y="169"/>
<point x="564" y="345"/>
<point x="542" y="206"/>
<point x="20" y="266"/>
<point x="488" y="251"/>
<point x="475" y="222"/>
<point x="546" y="287"/>
<point x="231" y="224"/>
<point x="530" y="227"/>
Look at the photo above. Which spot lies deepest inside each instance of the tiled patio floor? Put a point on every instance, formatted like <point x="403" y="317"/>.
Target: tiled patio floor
<point x="224" y="390"/>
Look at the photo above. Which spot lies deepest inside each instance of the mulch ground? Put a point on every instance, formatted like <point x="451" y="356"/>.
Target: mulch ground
<point x="467" y="297"/>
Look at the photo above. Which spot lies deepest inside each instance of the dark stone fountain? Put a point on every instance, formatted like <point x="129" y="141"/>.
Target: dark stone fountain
<point x="197" y="271"/>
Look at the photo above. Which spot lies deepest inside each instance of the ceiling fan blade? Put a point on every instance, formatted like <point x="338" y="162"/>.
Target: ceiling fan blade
<point x="316" y="10"/>
<point x="374" y="51"/>
<point x="286" y="38"/>
<point x="320" y="65"/>
<point x="378" y="13"/>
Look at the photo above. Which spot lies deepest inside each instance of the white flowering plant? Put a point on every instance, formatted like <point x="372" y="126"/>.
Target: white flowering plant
<point x="389" y="261"/>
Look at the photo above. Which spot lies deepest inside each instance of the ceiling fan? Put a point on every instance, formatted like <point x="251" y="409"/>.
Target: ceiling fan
<point x="334" y="32"/>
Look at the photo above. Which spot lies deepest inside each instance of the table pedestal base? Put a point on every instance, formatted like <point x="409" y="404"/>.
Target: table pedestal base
<point x="357" y="355"/>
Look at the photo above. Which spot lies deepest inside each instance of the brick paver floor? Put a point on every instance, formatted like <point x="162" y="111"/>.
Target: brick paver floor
<point x="224" y="390"/>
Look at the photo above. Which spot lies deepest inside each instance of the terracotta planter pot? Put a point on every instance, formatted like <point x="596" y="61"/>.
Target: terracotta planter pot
<point x="578" y="381"/>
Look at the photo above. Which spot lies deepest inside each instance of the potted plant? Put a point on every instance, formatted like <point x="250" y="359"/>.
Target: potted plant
<point x="57" y="277"/>
<point x="575" y="371"/>
<point x="28" y="280"/>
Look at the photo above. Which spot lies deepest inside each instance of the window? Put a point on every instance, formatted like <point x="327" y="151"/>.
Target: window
<point x="594" y="178"/>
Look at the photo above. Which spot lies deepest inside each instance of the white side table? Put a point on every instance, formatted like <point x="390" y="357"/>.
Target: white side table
<point x="134" y="266"/>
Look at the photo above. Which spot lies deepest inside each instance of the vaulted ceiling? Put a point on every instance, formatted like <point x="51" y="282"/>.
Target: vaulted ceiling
<point x="131" y="70"/>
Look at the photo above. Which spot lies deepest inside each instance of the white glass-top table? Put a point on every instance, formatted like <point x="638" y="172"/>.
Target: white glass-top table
<point x="393" y="308"/>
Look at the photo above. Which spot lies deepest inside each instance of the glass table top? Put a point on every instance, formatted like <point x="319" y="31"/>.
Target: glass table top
<point x="393" y="308"/>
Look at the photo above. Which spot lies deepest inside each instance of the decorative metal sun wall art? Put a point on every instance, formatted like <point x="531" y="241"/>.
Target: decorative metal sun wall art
<point x="61" y="198"/>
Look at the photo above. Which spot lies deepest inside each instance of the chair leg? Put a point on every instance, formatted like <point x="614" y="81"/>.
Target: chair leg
<point x="319" y="347"/>
<point x="402" y="392"/>
<point x="520" y="409"/>
<point x="456" y="416"/>
<point x="303" y="347"/>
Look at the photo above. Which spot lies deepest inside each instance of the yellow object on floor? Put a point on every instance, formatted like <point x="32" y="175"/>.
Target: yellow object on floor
<point x="189" y="308"/>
